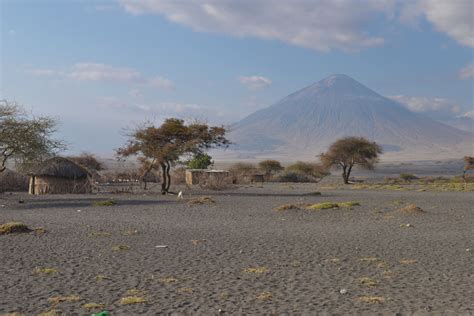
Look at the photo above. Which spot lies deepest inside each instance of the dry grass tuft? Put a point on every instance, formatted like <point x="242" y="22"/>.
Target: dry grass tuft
<point x="411" y="209"/>
<point x="224" y="296"/>
<point x="59" y="299"/>
<point x="264" y="296"/>
<point x="202" y="200"/>
<point x="130" y="232"/>
<point x="335" y="260"/>
<point x="368" y="259"/>
<point x="185" y="290"/>
<point x="168" y="280"/>
<point x="323" y="206"/>
<point x="196" y="242"/>
<point x="13" y="228"/>
<point x="288" y="207"/>
<point x="257" y="270"/>
<point x="348" y="204"/>
<point x="120" y="248"/>
<point x="46" y="271"/>
<point x="13" y="314"/>
<point x="367" y="281"/>
<point x="129" y="300"/>
<point x="134" y="292"/>
<point x="93" y="306"/>
<point x="105" y="203"/>
<point x="100" y="234"/>
<point x="101" y="277"/>
<point x="408" y="261"/>
<point x="371" y="299"/>
<point x="40" y="231"/>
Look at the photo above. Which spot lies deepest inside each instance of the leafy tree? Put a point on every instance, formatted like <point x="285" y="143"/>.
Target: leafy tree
<point x="164" y="145"/>
<point x="23" y="138"/>
<point x="200" y="161"/>
<point x="270" y="166"/>
<point x="347" y="152"/>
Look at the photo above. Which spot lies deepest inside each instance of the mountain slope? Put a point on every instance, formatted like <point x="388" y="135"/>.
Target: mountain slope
<point x="307" y="121"/>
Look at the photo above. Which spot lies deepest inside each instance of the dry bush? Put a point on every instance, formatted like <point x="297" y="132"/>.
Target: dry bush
<point x="304" y="172"/>
<point x="242" y="171"/>
<point x="411" y="209"/>
<point x="201" y="201"/>
<point x="13" y="181"/>
<point x="13" y="228"/>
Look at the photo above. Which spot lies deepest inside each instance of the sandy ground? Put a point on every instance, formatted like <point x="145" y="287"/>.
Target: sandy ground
<point x="303" y="258"/>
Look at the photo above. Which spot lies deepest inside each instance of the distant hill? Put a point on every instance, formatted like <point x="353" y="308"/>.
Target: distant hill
<point x="465" y="123"/>
<point x="304" y="123"/>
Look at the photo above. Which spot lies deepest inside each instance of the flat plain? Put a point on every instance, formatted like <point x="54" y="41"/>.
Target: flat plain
<point x="153" y="254"/>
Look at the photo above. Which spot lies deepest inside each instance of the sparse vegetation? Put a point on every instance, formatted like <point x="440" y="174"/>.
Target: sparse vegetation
<point x="14" y="228"/>
<point x="411" y="209"/>
<point x="264" y="296"/>
<point x="270" y="167"/>
<point x="92" y="305"/>
<point x="59" y="299"/>
<point x="371" y="299"/>
<point x="408" y="177"/>
<point x="129" y="300"/>
<point x="46" y="271"/>
<point x="256" y="270"/>
<point x="367" y="281"/>
<point x="120" y="248"/>
<point x="323" y="206"/>
<point x="202" y="200"/>
<point x="304" y="172"/>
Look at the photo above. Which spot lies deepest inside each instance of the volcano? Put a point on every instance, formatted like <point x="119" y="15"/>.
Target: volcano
<point x="306" y="122"/>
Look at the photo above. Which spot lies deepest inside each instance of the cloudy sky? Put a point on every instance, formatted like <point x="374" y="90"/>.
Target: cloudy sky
<point x="101" y="66"/>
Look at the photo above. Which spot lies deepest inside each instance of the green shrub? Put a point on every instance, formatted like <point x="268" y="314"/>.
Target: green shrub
<point x="200" y="161"/>
<point x="304" y="172"/>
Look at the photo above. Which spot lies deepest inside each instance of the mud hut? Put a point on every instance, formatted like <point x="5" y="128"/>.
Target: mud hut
<point x="204" y="176"/>
<point x="59" y="176"/>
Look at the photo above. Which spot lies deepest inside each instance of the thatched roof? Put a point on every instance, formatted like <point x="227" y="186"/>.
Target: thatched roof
<point x="60" y="167"/>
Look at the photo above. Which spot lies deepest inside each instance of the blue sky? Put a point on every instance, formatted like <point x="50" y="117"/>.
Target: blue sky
<point x="102" y="66"/>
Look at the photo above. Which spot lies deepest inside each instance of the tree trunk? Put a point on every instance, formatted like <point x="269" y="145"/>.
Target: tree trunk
<point x="168" y="168"/>
<point x="345" y="177"/>
<point x="348" y="174"/>
<point x="164" y="181"/>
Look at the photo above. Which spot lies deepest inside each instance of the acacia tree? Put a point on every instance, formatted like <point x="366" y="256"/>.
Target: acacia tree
<point x="347" y="152"/>
<point x="23" y="138"/>
<point x="164" y="145"/>
<point x="270" y="166"/>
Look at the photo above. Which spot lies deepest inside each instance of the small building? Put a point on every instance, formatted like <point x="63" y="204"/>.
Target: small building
<point x="205" y="176"/>
<point x="59" y="176"/>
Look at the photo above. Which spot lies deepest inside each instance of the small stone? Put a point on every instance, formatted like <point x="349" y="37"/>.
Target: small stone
<point x="468" y="249"/>
<point x="343" y="291"/>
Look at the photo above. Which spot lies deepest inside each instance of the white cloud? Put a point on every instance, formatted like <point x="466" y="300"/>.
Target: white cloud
<point x="255" y="82"/>
<point x="467" y="72"/>
<point x="432" y="106"/>
<point x="469" y="114"/>
<point x="135" y="93"/>
<point x="161" y="83"/>
<point x="102" y="72"/>
<point x="320" y="25"/>
<point x="43" y="72"/>
<point x="453" y="17"/>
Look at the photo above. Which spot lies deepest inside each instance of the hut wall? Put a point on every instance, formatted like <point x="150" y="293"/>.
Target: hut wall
<point x="201" y="177"/>
<point x="53" y="185"/>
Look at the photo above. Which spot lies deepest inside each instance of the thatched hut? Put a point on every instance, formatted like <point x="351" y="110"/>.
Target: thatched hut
<point x="59" y="176"/>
